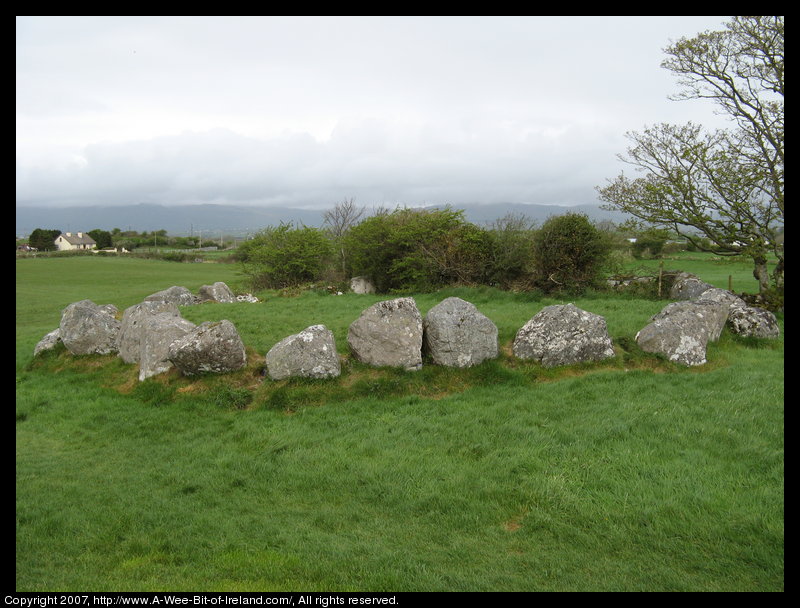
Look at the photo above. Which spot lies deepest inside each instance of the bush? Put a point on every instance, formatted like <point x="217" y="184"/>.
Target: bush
<point x="650" y="243"/>
<point x="418" y="249"/>
<point x="284" y="256"/>
<point x="511" y="252"/>
<point x="570" y="254"/>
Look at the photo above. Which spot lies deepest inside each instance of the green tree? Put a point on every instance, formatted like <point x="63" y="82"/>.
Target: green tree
<point x="569" y="253"/>
<point x="101" y="237"/>
<point x="43" y="239"/>
<point x="721" y="190"/>
<point x="285" y="256"/>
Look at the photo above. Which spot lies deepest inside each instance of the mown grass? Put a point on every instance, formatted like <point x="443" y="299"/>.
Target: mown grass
<point x="627" y="475"/>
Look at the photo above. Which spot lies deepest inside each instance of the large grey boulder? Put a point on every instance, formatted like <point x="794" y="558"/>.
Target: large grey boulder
<point x="50" y="340"/>
<point x="218" y="292"/>
<point x="180" y="296"/>
<point x="133" y="325"/>
<point x="361" y="285"/>
<point x="722" y="296"/>
<point x="708" y="316"/>
<point x="457" y="334"/>
<point x="388" y="333"/>
<point x="88" y="329"/>
<point x="157" y="333"/>
<point x="308" y="354"/>
<point x="563" y="334"/>
<point x="210" y="347"/>
<point x="682" y="330"/>
<point x="687" y="286"/>
<point x="753" y="322"/>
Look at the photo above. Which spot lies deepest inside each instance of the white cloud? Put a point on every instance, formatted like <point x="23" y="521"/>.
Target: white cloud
<point x="311" y="110"/>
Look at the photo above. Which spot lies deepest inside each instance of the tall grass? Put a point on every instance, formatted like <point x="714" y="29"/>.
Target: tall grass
<point x="631" y="475"/>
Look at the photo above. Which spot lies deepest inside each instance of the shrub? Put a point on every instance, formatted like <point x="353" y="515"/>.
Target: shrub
<point x="570" y="254"/>
<point x="284" y="256"/>
<point x="650" y="243"/>
<point x="418" y="249"/>
<point x="511" y="252"/>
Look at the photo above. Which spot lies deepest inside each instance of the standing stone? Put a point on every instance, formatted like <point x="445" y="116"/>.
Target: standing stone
<point x="682" y="330"/>
<point x="753" y="322"/>
<point x="218" y="292"/>
<point x="210" y="347"/>
<point x="133" y="324"/>
<point x="87" y="329"/>
<point x="388" y="333"/>
<point x="361" y="285"/>
<point x="563" y="334"/>
<point x="49" y="341"/>
<point x="309" y="354"/>
<point x="158" y="331"/>
<point x="457" y="334"/>
<point x="180" y="296"/>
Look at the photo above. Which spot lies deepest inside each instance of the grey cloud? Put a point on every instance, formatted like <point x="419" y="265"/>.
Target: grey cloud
<point x="373" y="161"/>
<point x="305" y="111"/>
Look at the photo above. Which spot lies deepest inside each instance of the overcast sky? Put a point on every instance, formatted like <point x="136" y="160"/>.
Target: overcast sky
<point x="305" y="111"/>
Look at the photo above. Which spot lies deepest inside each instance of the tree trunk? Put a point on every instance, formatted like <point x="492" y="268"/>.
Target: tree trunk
<point x="761" y="273"/>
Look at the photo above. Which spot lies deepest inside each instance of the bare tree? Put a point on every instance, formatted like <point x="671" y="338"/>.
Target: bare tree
<point x="339" y="220"/>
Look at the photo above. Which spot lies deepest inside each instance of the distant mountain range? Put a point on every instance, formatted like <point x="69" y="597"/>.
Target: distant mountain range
<point x="240" y="220"/>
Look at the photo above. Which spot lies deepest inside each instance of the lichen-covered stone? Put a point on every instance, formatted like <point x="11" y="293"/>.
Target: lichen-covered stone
<point x="753" y="322"/>
<point x="214" y="347"/>
<point x="563" y="334"/>
<point x="682" y="330"/>
<point x="457" y="334"/>
<point x="158" y="332"/>
<point x="87" y="329"/>
<point x="388" y="333"/>
<point x="180" y="296"/>
<point x="218" y="292"/>
<point x="50" y="340"/>
<point x="308" y="354"/>
<point x="687" y="286"/>
<point x="133" y="324"/>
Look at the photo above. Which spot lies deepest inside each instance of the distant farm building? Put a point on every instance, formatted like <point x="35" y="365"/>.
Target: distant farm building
<point x="67" y="241"/>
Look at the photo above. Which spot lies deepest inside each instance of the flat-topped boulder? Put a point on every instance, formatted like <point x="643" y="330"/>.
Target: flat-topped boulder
<point x="218" y="292"/>
<point x="457" y="334"/>
<point x="308" y="354"/>
<point x="88" y="329"/>
<point x="176" y="294"/>
<point x="563" y="334"/>
<point x="388" y="333"/>
<point x="133" y="325"/>
<point x="722" y="296"/>
<point x="213" y="346"/>
<point x="687" y="286"/>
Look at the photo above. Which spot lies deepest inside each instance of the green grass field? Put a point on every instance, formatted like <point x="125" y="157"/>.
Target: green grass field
<point x="629" y="475"/>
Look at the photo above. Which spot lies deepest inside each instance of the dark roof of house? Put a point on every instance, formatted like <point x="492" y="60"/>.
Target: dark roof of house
<point x="73" y="239"/>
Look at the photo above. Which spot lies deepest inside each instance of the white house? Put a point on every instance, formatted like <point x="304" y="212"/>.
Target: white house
<point x="74" y="240"/>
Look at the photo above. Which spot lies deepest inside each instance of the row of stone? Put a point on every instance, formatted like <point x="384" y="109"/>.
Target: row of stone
<point x="454" y="333"/>
<point x="393" y="333"/>
<point x="682" y="330"/>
